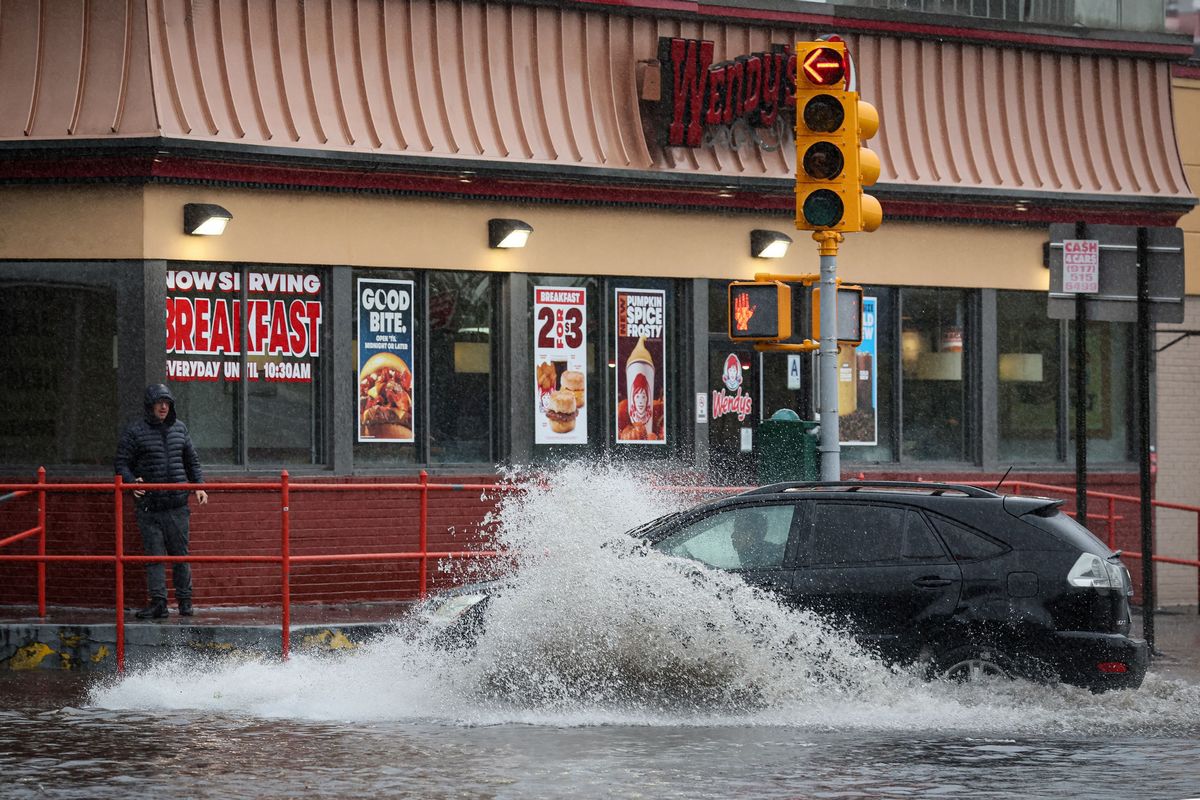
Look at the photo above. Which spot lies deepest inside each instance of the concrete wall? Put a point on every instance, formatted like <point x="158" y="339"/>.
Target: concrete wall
<point x="1178" y="387"/>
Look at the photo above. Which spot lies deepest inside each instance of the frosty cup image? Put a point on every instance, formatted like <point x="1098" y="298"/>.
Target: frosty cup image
<point x="639" y="386"/>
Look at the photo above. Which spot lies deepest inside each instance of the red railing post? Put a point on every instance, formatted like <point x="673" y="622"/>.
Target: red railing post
<point x="1112" y="523"/>
<point x="119" y="567"/>
<point x="285" y="565"/>
<point x="41" y="567"/>
<point x="423" y="533"/>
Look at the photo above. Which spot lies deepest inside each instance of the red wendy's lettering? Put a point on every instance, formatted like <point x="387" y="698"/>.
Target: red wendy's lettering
<point x="697" y="92"/>
<point x="724" y="403"/>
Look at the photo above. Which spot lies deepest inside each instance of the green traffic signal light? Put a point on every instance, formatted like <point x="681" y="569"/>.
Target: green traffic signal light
<point x="823" y="208"/>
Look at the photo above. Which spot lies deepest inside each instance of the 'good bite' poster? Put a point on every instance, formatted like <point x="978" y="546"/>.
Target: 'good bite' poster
<point x="560" y="365"/>
<point x="385" y="360"/>
<point x="641" y="366"/>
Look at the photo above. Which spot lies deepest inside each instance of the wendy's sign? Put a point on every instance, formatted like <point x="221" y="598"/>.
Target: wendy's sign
<point x="753" y="89"/>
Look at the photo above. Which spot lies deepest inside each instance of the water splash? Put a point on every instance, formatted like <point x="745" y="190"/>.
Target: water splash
<point x="592" y="629"/>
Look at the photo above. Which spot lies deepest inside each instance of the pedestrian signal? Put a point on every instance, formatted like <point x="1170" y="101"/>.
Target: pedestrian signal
<point x="760" y="311"/>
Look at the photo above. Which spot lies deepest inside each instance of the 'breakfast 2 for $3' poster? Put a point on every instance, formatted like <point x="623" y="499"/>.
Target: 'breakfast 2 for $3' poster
<point x="560" y="365"/>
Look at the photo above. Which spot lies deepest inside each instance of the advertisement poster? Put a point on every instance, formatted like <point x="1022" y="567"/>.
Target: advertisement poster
<point x="206" y="325"/>
<point x="641" y="366"/>
<point x="858" y="409"/>
<point x="560" y="365"/>
<point x="385" y="360"/>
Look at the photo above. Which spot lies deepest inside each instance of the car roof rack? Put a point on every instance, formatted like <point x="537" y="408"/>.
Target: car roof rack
<point x="910" y="487"/>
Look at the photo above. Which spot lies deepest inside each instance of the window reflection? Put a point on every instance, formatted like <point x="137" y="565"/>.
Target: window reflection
<point x="460" y="368"/>
<point x="933" y="335"/>
<point x="1028" y="359"/>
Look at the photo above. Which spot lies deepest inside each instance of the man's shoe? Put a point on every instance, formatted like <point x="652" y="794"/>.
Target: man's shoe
<point x="185" y="608"/>
<point x="156" y="610"/>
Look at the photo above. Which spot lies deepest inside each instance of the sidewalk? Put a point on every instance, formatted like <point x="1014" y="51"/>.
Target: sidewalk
<point x="1176" y="642"/>
<point x="79" y="638"/>
<point x="85" y="638"/>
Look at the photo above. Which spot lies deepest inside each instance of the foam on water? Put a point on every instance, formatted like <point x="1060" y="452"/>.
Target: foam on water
<point x="591" y="629"/>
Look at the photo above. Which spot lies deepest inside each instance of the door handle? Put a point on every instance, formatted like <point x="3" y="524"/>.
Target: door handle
<point x="932" y="582"/>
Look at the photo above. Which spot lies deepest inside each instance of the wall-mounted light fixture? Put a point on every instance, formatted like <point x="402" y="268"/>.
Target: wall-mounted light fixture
<point x="204" y="219"/>
<point x="769" y="244"/>
<point x="508" y="232"/>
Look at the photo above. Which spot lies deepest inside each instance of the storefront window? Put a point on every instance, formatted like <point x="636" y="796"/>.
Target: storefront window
<point x="933" y="345"/>
<point x="58" y="374"/>
<point x="461" y="389"/>
<point x="1028" y="380"/>
<point x="867" y="430"/>
<point x="1110" y="367"/>
<point x="249" y="337"/>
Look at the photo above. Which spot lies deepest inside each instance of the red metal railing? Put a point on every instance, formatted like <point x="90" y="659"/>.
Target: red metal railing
<point x="285" y="559"/>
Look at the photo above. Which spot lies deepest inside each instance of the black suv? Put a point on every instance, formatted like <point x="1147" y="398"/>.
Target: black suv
<point x="959" y="580"/>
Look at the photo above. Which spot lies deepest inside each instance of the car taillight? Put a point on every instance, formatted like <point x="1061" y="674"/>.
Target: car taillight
<point x="1093" y="572"/>
<point x="1112" y="667"/>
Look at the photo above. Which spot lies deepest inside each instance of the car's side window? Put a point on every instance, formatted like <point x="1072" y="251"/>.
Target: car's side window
<point x="855" y="533"/>
<point x="861" y="533"/>
<point x="919" y="542"/>
<point x="746" y="537"/>
<point x="966" y="544"/>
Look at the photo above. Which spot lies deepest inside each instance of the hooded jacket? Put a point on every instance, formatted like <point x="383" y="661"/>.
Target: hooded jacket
<point x="158" y="452"/>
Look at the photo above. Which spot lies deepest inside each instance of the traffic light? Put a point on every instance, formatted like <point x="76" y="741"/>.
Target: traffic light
<point x="832" y="166"/>
<point x="760" y="311"/>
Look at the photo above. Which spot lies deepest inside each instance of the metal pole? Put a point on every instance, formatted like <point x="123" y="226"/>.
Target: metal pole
<point x="1081" y="476"/>
<point x="1143" y="381"/>
<point x="830" y="446"/>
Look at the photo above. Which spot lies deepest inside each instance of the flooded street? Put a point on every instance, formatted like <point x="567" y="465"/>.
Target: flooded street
<point x="604" y="672"/>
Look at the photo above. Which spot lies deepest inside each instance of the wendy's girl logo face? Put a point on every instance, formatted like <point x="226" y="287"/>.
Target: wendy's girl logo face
<point x="731" y="376"/>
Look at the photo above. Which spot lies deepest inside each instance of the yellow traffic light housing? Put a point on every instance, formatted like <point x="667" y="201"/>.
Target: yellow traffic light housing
<point x="849" y="314"/>
<point x="760" y="311"/>
<point x="832" y="166"/>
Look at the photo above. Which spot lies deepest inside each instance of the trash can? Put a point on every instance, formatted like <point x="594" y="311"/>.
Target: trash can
<point x="787" y="448"/>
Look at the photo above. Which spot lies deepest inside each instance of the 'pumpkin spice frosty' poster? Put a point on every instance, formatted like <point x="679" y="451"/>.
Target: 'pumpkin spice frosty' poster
<point x="641" y="366"/>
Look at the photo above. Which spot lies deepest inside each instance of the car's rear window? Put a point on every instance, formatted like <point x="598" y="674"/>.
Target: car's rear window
<point x="1068" y="530"/>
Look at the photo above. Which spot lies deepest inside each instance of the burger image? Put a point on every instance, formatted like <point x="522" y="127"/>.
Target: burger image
<point x="561" y="411"/>
<point x="572" y="381"/>
<point x="385" y="398"/>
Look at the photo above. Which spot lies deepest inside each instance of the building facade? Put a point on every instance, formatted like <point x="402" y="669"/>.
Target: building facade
<point x="367" y="150"/>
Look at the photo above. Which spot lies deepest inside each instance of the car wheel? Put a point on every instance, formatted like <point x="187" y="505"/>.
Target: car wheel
<point x="971" y="663"/>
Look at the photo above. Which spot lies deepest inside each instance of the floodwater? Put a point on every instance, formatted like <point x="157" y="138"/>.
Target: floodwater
<point x="603" y="673"/>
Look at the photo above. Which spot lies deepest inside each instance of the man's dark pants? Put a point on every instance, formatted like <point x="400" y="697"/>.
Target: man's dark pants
<point x="165" y="533"/>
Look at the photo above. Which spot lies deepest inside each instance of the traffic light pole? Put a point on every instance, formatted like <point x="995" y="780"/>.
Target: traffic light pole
<point x="830" y="444"/>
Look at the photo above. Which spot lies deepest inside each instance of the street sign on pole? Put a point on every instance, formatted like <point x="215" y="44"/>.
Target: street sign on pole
<point x="1116" y="296"/>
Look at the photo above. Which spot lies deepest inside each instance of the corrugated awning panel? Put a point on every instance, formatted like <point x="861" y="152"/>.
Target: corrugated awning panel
<point x="517" y="85"/>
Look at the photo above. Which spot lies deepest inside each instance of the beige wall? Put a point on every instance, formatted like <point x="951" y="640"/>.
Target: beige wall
<point x="1186" y="101"/>
<point x="314" y="228"/>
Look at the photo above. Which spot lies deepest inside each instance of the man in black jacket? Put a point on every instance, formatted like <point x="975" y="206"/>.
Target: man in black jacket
<point x="158" y="449"/>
